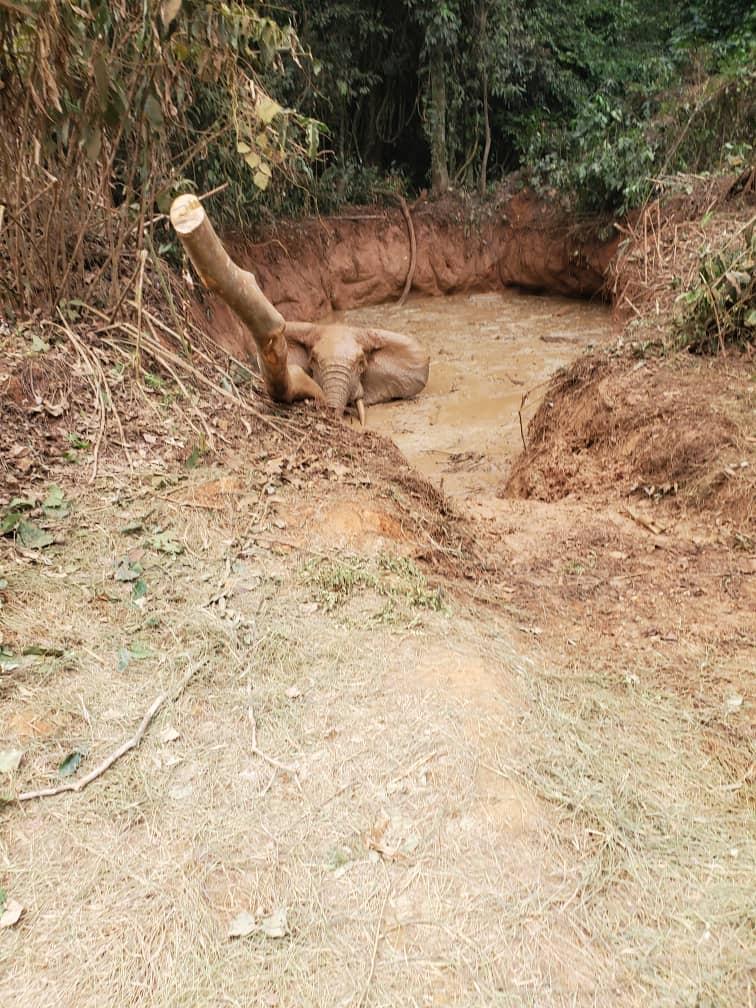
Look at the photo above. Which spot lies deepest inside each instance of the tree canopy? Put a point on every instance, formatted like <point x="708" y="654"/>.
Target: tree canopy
<point x="111" y="109"/>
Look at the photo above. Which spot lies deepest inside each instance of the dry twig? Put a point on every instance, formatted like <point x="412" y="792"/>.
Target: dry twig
<point x="263" y="755"/>
<point x="129" y="744"/>
<point x="371" y="972"/>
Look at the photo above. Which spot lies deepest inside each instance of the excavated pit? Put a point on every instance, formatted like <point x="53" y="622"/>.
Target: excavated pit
<point x="314" y="268"/>
<point x="487" y="352"/>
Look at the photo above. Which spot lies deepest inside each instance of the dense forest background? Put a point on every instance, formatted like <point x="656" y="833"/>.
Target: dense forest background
<point x="112" y="108"/>
<point x="591" y="96"/>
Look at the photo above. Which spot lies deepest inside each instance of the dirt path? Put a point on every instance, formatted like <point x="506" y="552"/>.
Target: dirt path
<point x="420" y="791"/>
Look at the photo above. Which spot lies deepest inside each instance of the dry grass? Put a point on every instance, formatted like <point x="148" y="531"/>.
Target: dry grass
<point x="459" y="826"/>
<point x="661" y="256"/>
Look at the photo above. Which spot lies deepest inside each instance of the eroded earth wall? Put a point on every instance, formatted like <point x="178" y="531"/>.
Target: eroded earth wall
<point x="312" y="268"/>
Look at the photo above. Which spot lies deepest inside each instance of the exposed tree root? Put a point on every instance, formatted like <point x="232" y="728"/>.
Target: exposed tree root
<point x="413" y="250"/>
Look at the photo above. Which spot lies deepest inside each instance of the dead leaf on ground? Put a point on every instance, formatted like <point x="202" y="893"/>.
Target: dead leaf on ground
<point x="647" y="523"/>
<point x="126" y="571"/>
<point x="71" y="763"/>
<point x="733" y="702"/>
<point x="393" y="839"/>
<point x="10" y="760"/>
<point x="242" y="925"/>
<point x="12" y="914"/>
<point x="164" y="543"/>
<point x="32" y="536"/>
<point x="275" y="925"/>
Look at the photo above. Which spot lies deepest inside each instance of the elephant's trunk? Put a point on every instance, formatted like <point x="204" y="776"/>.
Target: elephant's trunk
<point x="336" y="380"/>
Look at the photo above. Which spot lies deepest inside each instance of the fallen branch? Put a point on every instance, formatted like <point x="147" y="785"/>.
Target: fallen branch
<point x="129" y="744"/>
<point x="522" y="407"/>
<point x="519" y="417"/>
<point x="263" y="755"/>
<point x="376" y="941"/>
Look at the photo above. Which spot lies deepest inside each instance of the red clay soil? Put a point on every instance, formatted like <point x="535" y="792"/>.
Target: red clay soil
<point x="679" y="429"/>
<point x="675" y="427"/>
<point x="315" y="267"/>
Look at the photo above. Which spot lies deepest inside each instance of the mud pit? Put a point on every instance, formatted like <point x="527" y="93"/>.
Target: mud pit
<point x="487" y="351"/>
<point x="608" y="578"/>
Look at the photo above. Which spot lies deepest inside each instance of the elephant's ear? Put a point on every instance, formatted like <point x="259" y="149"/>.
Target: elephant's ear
<point x="396" y="368"/>
<point x="301" y="338"/>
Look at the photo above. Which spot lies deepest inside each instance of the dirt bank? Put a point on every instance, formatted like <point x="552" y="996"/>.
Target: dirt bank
<point x="644" y="417"/>
<point x="314" y="267"/>
<point x="678" y="429"/>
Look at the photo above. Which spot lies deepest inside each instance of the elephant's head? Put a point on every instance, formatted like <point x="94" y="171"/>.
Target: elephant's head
<point x="358" y="366"/>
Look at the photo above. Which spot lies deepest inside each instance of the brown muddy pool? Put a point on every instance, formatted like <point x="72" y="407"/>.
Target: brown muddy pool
<point x="486" y="351"/>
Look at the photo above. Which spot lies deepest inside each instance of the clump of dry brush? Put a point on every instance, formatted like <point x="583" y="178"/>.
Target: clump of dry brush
<point x="720" y="308"/>
<point x="111" y="108"/>
<point x="689" y="263"/>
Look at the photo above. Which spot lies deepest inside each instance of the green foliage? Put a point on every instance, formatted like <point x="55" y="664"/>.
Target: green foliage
<point x="605" y="157"/>
<point x="691" y="108"/>
<point x="720" y="309"/>
<point x="592" y="97"/>
<point x="119" y="106"/>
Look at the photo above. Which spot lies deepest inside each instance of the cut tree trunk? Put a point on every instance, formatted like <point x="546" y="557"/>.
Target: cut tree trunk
<point x="240" y="291"/>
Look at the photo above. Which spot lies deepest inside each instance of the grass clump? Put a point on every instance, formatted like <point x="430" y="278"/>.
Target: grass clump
<point x="395" y="578"/>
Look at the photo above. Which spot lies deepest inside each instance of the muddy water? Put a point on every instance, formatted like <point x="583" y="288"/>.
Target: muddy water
<point x="486" y="350"/>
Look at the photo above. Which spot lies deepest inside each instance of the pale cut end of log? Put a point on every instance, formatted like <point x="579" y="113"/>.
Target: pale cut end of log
<point x="239" y="289"/>
<point x="187" y="214"/>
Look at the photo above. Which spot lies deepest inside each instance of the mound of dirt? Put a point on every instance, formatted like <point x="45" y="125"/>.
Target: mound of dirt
<point x="679" y="429"/>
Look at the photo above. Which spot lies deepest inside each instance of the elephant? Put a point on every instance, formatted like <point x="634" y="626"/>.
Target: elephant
<point x="339" y="365"/>
<point x="358" y="366"/>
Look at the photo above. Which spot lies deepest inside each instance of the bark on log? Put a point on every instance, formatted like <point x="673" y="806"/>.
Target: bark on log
<point x="240" y="291"/>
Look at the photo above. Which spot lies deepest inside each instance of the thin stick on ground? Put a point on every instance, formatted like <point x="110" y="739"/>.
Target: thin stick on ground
<point x="140" y="285"/>
<point x="522" y="407"/>
<point x="376" y="942"/>
<point x="128" y="745"/>
<point x="519" y="417"/>
<point x="263" y="755"/>
<point x="96" y="382"/>
<point x="158" y="349"/>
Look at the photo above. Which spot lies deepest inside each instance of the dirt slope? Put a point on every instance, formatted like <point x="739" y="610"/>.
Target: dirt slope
<point x="409" y="803"/>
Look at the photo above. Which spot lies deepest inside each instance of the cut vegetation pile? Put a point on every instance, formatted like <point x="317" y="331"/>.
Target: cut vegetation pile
<point x="699" y="234"/>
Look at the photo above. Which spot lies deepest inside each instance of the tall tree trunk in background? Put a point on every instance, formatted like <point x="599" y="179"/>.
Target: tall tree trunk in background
<point x="439" y="160"/>
<point x="483" y="181"/>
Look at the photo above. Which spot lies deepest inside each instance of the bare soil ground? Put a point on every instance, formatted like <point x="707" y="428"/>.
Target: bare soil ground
<point x="412" y="799"/>
<point x="430" y="760"/>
